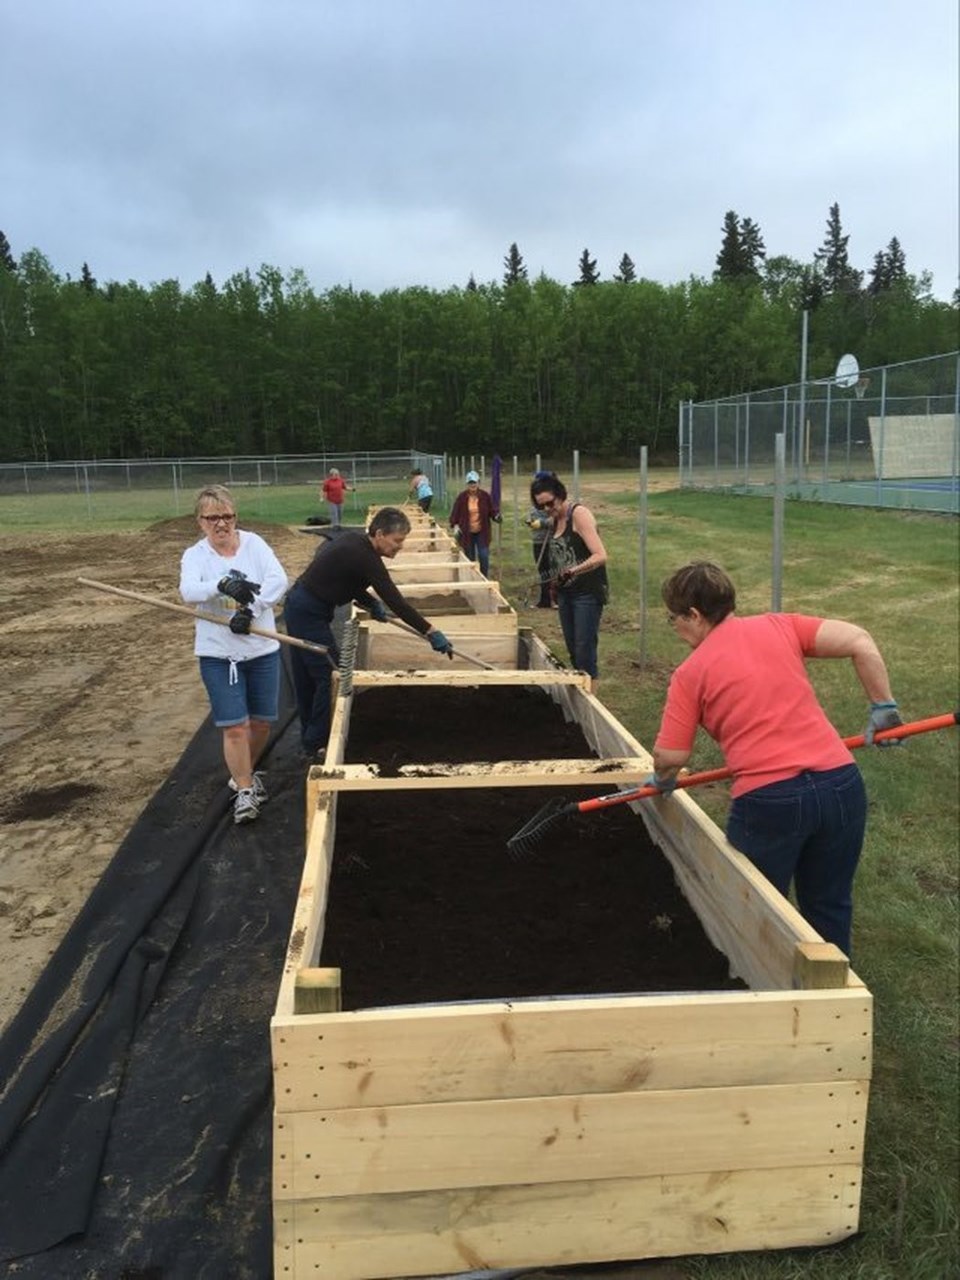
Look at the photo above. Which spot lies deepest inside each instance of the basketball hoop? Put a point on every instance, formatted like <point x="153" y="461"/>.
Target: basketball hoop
<point x="861" y="388"/>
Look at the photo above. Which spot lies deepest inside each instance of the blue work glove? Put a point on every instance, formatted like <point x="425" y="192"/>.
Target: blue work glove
<point x="240" y="622"/>
<point x="666" y="786"/>
<point x="440" y="644"/>
<point x="883" y="715"/>
<point x="236" y="586"/>
<point x="377" y="612"/>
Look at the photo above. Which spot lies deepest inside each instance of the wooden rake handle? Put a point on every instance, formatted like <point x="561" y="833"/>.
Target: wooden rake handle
<point x="199" y="614"/>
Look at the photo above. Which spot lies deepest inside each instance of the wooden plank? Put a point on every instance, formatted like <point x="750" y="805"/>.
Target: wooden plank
<point x="488" y="1228"/>
<point x="499" y="773"/>
<point x="571" y="1138"/>
<point x="393" y="649"/>
<point x="307" y="927"/>
<point x="459" y="678"/>
<point x="615" y="1044"/>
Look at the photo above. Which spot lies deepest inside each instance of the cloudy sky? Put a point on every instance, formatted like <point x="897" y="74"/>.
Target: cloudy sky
<point x="386" y="143"/>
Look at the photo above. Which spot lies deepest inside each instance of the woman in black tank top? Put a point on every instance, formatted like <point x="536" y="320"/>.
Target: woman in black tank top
<point x="577" y="560"/>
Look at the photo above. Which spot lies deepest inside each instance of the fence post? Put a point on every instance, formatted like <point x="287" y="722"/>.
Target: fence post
<point x="779" y="494"/>
<point x="643" y="556"/>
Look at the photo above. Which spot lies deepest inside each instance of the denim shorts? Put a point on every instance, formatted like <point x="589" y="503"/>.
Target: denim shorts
<point x="242" y="691"/>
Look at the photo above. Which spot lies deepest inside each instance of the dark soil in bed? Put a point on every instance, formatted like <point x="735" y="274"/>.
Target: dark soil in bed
<point x="426" y="904"/>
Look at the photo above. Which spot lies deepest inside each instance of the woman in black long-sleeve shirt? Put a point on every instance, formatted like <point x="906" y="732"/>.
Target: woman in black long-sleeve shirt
<point x="344" y="569"/>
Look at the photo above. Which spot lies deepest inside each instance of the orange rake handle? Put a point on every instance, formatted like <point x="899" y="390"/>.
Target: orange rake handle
<point x="946" y="721"/>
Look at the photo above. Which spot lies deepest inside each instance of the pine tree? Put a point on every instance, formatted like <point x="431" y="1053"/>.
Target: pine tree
<point x="732" y="262"/>
<point x="6" y="256"/>
<point x="889" y="268"/>
<point x="87" y="281"/>
<point x="588" y="269"/>
<point x="753" y="249"/>
<point x="515" y="270"/>
<point x="878" y="274"/>
<point x="471" y="284"/>
<point x="832" y="257"/>
<point x="626" y="272"/>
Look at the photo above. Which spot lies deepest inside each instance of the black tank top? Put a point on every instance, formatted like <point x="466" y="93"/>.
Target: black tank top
<point x="569" y="549"/>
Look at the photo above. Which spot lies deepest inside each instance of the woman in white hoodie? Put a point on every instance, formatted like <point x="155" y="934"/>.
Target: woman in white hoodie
<point x="233" y="572"/>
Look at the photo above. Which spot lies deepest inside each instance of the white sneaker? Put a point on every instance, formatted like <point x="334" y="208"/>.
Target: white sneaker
<point x="245" y="807"/>
<point x="259" y="788"/>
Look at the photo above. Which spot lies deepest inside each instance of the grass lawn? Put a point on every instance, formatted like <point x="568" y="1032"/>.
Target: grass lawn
<point x="896" y="573"/>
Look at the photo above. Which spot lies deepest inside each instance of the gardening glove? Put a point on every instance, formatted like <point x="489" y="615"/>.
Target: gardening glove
<point x="497" y="518"/>
<point x="440" y="644"/>
<point x="456" y="531"/>
<point x="665" y="785"/>
<point x="236" y="586"/>
<point x="883" y="715"/>
<point x="240" y="622"/>
<point x="377" y="612"/>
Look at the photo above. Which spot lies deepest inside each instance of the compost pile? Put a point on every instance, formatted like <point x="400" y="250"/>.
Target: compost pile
<point x="425" y="903"/>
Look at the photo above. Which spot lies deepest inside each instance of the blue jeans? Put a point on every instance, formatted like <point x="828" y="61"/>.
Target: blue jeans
<point x="808" y="829"/>
<point x="308" y="618"/>
<point x="475" y="549"/>
<point x="242" y="691"/>
<point x="580" y="614"/>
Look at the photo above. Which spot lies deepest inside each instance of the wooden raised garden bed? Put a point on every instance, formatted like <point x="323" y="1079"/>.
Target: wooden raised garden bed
<point x="626" y="1045"/>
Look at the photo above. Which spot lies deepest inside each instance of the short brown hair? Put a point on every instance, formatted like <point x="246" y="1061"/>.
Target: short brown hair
<point x="703" y="586"/>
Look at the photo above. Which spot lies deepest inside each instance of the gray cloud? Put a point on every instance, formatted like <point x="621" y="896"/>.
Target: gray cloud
<point x="393" y="142"/>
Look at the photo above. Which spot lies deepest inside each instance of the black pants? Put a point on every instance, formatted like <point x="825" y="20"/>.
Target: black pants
<point x="308" y="618"/>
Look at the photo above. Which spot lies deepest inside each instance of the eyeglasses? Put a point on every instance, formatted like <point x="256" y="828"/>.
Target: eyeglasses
<point x="545" y="506"/>
<point x="227" y="517"/>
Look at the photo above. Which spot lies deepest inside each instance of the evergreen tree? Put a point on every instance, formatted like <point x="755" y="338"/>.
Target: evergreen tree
<point x="471" y="284"/>
<point x="732" y="260"/>
<point x="833" y="259"/>
<point x="6" y="256"/>
<point x="889" y="268"/>
<point x="515" y="270"/>
<point x="753" y="249"/>
<point x="87" y="282"/>
<point x="811" y="289"/>
<point x="588" y="269"/>
<point x="626" y="272"/>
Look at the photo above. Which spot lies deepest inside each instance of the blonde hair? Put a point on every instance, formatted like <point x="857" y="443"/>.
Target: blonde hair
<point x="217" y="493"/>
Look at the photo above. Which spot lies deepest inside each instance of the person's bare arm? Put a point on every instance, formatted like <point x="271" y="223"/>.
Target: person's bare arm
<point x="838" y="639"/>
<point x="585" y="524"/>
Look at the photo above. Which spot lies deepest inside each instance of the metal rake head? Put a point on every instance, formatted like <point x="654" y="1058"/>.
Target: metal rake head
<point x="524" y="842"/>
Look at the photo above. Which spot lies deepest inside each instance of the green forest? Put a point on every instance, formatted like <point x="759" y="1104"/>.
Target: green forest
<point x="264" y="364"/>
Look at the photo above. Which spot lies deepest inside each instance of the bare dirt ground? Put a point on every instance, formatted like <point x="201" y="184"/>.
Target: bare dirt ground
<point x="100" y="698"/>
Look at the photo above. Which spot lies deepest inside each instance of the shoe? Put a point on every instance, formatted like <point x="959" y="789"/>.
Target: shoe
<point x="259" y="788"/>
<point x="245" y="807"/>
<point x="541" y="605"/>
<point x="315" y="756"/>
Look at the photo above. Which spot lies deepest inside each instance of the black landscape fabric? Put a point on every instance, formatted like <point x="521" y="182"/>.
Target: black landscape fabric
<point x="135" y="1118"/>
<point x="135" y="1122"/>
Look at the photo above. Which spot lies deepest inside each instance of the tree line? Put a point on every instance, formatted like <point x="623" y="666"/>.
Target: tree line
<point x="263" y="364"/>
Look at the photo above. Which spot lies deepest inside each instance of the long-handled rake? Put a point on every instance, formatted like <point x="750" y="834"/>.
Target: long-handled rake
<point x="220" y="619"/>
<point x="528" y="837"/>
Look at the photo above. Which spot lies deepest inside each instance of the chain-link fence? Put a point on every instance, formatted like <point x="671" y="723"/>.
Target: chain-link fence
<point x="176" y="480"/>
<point x="889" y="439"/>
